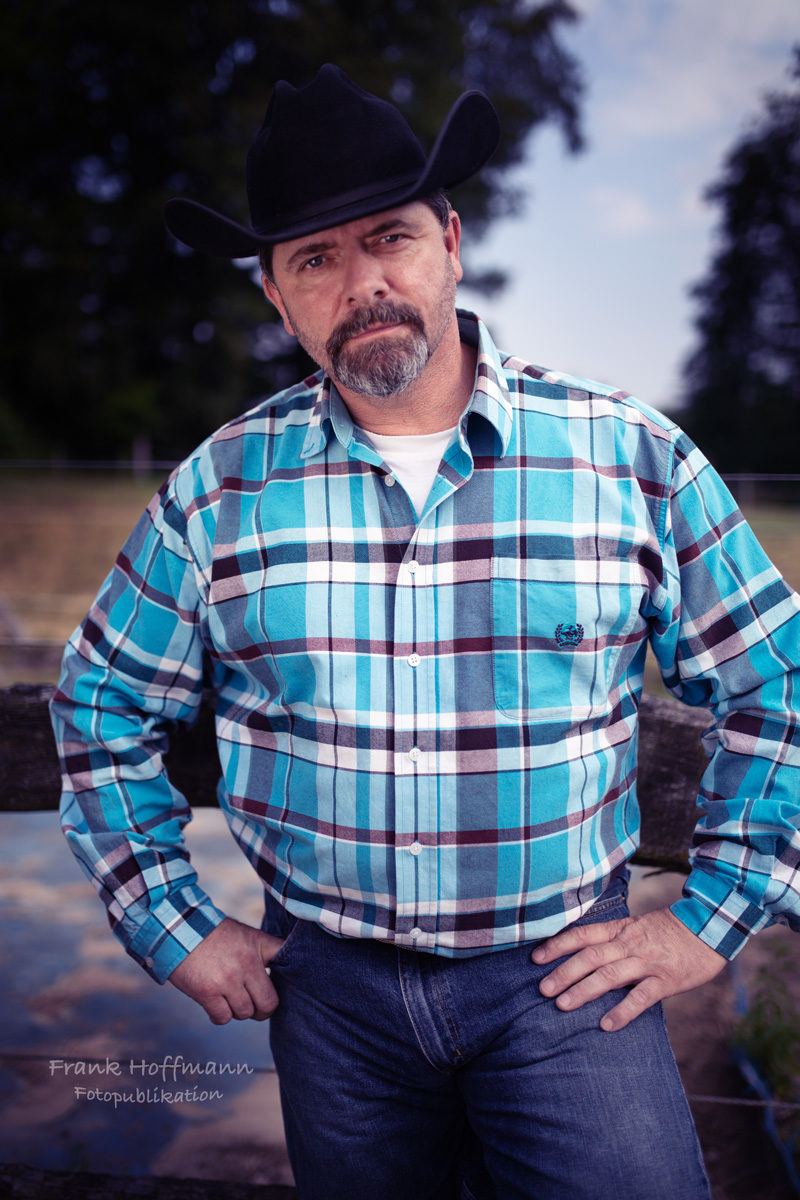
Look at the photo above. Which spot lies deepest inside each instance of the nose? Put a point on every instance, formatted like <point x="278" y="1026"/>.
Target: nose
<point x="365" y="280"/>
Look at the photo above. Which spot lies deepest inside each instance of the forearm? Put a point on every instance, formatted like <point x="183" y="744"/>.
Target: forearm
<point x="131" y="671"/>
<point x="726" y="634"/>
<point x="745" y="855"/>
<point x="128" y="838"/>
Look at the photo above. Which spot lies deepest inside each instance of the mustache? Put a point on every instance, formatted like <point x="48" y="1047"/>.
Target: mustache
<point x="382" y="312"/>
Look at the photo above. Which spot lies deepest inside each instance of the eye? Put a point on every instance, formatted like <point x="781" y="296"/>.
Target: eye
<point x="391" y="239"/>
<point x="313" y="264"/>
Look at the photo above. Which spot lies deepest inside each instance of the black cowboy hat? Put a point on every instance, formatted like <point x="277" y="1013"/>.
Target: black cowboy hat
<point x="330" y="152"/>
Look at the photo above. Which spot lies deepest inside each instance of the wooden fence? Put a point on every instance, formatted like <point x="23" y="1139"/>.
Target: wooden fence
<point x="671" y="761"/>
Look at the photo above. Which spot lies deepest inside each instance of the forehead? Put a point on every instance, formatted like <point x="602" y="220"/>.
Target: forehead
<point x="415" y="213"/>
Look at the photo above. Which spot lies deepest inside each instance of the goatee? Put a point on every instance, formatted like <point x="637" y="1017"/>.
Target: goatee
<point x="386" y="364"/>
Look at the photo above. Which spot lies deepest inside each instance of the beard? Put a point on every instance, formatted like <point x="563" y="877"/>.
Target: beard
<point x="387" y="364"/>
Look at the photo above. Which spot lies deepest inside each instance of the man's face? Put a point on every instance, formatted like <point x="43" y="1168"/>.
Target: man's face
<point x="370" y="300"/>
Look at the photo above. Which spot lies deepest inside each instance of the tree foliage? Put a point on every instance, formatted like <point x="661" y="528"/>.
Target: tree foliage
<point x="743" y="381"/>
<point x="110" y="328"/>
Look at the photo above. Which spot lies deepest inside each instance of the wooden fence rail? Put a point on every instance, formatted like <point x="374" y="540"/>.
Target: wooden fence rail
<point x="671" y="760"/>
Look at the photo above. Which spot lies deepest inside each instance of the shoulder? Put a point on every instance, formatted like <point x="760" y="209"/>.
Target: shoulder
<point x="599" y="428"/>
<point x="247" y="449"/>
<point x="568" y="395"/>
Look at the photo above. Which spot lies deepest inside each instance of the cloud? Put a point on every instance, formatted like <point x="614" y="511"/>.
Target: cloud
<point x="55" y="1003"/>
<point x="621" y="210"/>
<point x="44" y="1096"/>
<point x="242" y="1139"/>
<point x="672" y="69"/>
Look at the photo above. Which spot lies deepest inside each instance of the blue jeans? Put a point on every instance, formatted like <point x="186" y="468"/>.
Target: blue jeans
<point x="408" y="1076"/>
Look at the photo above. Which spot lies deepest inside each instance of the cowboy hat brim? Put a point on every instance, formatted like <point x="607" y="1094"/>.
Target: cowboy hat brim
<point x="466" y="141"/>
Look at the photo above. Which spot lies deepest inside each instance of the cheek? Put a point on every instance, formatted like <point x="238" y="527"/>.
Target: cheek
<point x="307" y="318"/>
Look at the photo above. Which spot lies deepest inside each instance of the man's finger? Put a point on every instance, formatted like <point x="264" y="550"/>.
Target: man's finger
<point x="263" y="1006"/>
<point x="242" y="1005"/>
<point x="226" y="973"/>
<point x="576" y="937"/>
<point x="592" y="973"/>
<point x="259" y="985"/>
<point x="655" y="951"/>
<point x="268" y="947"/>
<point x="638" y="999"/>
<point x="218" y="1009"/>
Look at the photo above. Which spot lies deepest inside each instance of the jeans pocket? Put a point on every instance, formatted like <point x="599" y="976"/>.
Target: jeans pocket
<point x="279" y="923"/>
<point x="280" y="959"/>
<point x="607" y="908"/>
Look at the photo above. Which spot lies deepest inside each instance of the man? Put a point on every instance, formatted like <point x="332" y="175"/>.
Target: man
<point x="421" y="585"/>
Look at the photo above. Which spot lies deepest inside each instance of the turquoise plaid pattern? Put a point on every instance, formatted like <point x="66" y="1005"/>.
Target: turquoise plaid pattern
<point x="427" y="730"/>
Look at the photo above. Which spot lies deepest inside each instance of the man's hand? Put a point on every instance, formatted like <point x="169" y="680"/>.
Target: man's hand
<point x="226" y="974"/>
<point x="656" y="952"/>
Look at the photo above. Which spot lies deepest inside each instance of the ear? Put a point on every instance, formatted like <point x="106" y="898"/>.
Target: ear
<point x="452" y="241"/>
<point x="276" y="299"/>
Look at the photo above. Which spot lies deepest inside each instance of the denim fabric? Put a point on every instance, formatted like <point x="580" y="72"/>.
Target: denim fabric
<point x="407" y="1076"/>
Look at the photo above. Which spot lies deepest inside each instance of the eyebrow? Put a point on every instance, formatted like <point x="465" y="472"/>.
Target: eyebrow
<point x="391" y="223"/>
<point x="309" y="249"/>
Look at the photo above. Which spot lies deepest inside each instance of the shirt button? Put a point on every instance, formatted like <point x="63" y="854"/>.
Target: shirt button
<point x="414" y="660"/>
<point x="416" y="933"/>
<point x="413" y="566"/>
<point x="415" y="755"/>
<point x="415" y="848"/>
<point x="389" y="480"/>
<point x="148" y="962"/>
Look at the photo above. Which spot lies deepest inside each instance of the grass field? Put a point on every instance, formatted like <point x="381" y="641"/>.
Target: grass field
<point x="60" y="534"/>
<point x="61" y="531"/>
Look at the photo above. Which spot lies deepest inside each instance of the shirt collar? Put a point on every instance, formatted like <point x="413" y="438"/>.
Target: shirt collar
<point x="490" y="397"/>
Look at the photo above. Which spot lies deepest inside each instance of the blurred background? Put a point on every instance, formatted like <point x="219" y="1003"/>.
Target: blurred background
<point x="639" y="225"/>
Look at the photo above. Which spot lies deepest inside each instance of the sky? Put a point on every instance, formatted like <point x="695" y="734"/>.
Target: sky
<point x="610" y="241"/>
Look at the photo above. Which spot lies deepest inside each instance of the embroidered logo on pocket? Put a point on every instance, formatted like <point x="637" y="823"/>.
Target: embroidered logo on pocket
<point x="569" y="635"/>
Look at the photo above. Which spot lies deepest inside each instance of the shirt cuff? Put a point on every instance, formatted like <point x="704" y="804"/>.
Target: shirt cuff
<point x="168" y="933"/>
<point x="718" y="914"/>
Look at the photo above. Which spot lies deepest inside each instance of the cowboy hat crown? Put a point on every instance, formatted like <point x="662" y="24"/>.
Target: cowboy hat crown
<point x="331" y="152"/>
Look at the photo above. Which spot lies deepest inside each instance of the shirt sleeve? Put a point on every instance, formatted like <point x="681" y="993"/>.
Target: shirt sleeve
<point x="728" y="637"/>
<point x="131" y="671"/>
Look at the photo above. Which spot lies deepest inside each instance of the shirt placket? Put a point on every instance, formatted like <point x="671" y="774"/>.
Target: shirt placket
<point x="414" y="690"/>
<point x="415" y="750"/>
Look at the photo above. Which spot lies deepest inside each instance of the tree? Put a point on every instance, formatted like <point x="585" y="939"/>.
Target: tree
<point x="111" y="329"/>
<point x="743" y="381"/>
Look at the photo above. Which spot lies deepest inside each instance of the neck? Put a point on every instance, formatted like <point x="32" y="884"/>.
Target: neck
<point x="433" y="402"/>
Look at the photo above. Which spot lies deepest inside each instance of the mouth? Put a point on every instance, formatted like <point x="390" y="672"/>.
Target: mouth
<point x="376" y="331"/>
<point x="371" y="324"/>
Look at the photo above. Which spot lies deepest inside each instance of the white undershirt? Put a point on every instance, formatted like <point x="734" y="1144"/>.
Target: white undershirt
<point x="414" y="459"/>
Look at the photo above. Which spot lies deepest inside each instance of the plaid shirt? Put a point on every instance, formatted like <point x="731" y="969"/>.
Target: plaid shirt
<point x="427" y="729"/>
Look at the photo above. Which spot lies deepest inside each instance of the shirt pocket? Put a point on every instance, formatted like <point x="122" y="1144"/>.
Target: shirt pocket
<point x="558" y="630"/>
